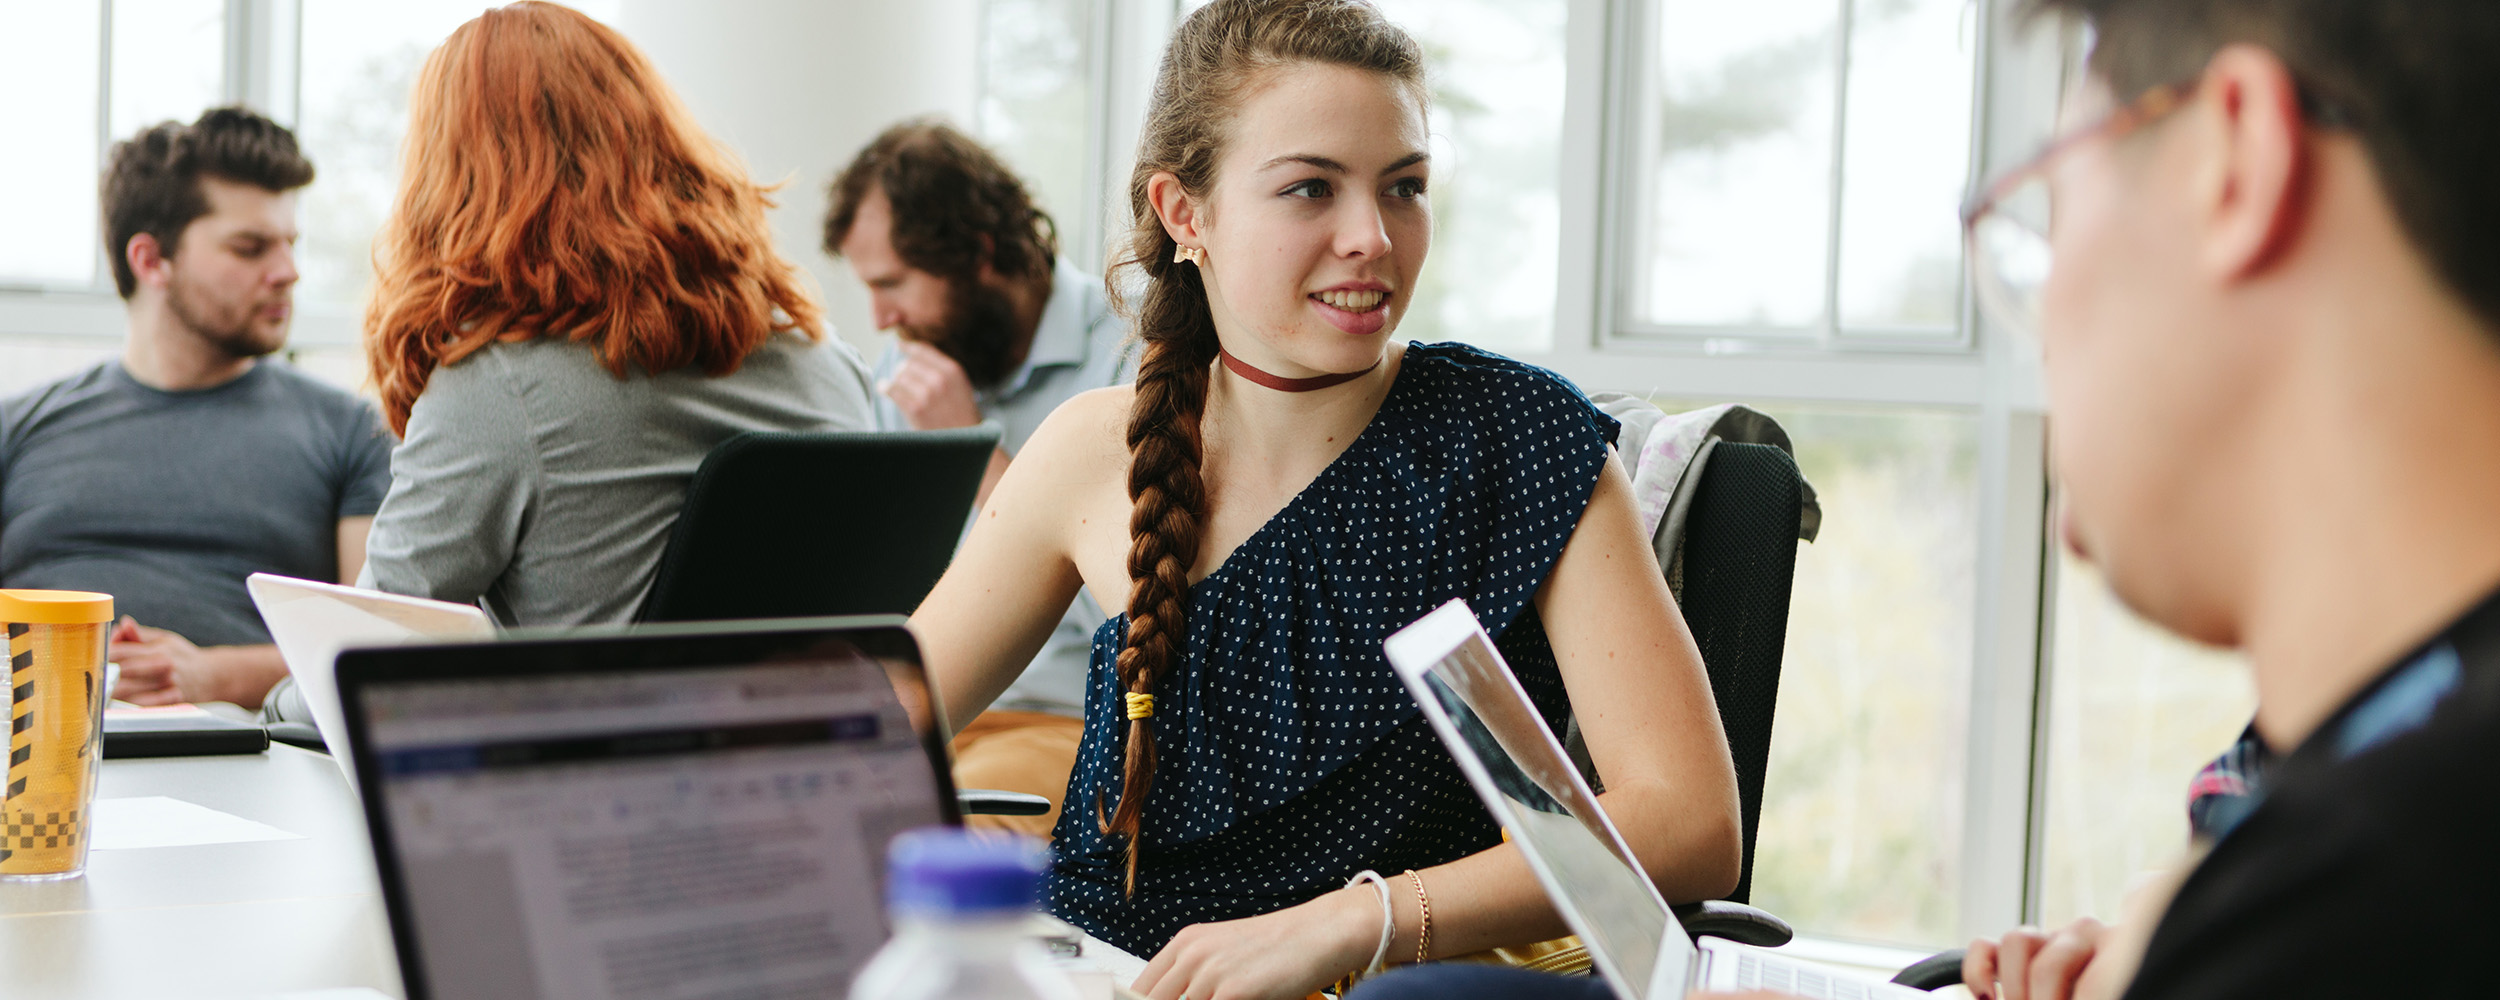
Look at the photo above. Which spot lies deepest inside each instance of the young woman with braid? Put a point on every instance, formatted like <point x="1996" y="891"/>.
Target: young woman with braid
<point x="1282" y="488"/>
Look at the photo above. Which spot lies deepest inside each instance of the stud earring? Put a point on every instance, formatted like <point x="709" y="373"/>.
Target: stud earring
<point x="1191" y="254"/>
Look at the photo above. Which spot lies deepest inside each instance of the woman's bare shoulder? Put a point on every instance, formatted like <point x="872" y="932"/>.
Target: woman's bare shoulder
<point x="1088" y="433"/>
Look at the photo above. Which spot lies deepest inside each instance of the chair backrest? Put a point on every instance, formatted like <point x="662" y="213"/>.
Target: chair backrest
<point x="1740" y="558"/>
<point x="786" y="525"/>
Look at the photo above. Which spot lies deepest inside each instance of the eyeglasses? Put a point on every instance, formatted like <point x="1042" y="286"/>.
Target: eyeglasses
<point x="2005" y="225"/>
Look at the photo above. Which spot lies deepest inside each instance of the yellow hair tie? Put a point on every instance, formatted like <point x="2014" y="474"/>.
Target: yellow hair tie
<point x="1140" y="706"/>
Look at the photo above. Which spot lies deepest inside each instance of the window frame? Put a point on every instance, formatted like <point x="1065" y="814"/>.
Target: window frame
<point x="1629" y="53"/>
<point x="1990" y="375"/>
<point x="261" y="62"/>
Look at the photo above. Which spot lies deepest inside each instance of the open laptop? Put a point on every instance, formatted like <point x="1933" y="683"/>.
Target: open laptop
<point x="311" y="621"/>
<point x="1532" y="789"/>
<point x="662" y="813"/>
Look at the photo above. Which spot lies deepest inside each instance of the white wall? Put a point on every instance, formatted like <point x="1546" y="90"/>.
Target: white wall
<point x="797" y="86"/>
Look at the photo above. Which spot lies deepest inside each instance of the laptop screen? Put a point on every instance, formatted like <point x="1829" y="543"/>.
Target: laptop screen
<point x="1530" y="785"/>
<point x="647" y="834"/>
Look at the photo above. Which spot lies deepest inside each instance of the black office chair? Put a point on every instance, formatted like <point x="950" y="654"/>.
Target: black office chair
<point x="1739" y="558"/>
<point x="794" y="525"/>
<point x="790" y="525"/>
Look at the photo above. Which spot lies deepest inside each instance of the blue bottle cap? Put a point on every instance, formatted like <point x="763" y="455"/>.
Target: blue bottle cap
<point x="944" y="871"/>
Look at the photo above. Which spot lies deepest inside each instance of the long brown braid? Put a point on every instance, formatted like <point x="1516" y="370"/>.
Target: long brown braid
<point x="1213" y="60"/>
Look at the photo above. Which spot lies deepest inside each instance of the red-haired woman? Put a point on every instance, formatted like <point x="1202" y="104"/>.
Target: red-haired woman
<point x="1283" y="487"/>
<point x="576" y="298"/>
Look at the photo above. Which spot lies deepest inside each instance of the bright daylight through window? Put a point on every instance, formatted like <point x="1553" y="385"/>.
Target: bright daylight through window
<point x="1795" y="168"/>
<point x="2135" y="713"/>
<point x="168" y="61"/>
<point x="1861" y="811"/>
<point x="1036" y="71"/>
<point x="1497" y="82"/>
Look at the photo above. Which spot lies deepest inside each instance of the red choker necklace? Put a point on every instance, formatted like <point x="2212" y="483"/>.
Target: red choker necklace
<point x="1282" y="384"/>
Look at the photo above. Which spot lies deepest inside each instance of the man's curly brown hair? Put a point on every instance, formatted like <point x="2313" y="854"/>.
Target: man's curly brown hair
<point x="956" y="205"/>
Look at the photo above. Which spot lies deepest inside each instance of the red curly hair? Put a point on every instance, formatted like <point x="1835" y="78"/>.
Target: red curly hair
<point x="553" y="186"/>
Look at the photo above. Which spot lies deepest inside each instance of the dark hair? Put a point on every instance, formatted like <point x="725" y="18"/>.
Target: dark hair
<point x="2411" y="76"/>
<point x="152" y="184"/>
<point x="1215" y="58"/>
<point x="955" y="204"/>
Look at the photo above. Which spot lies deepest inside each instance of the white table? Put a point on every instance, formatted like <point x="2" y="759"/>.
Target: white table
<point x="213" y="920"/>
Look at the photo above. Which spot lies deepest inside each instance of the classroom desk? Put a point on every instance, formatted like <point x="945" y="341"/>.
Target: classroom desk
<point x="213" y="920"/>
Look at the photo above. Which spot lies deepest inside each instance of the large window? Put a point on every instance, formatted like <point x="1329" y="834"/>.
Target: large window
<point x="2134" y="713"/>
<point x="1862" y="805"/>
<point x="1792" y="169"/>
<point x="82" y="84"/>
<point x="1496" y="73"/>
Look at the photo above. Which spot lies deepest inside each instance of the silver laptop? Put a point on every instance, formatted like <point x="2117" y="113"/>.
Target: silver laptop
<point x="310" y="621"/>
<point x="1521" y="772"/>
<point x="661" y="813"/>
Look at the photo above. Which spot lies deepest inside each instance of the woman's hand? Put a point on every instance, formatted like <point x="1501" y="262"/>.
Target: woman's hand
<point x="1285" y="955"/>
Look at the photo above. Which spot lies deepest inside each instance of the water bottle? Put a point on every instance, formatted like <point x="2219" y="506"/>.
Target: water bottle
<point x="961" y="904"/>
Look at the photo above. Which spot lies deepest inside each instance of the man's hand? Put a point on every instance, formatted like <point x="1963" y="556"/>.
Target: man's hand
<point x="931" y="389"/>
<point x="1285" y="955"/>
<point x="2030" y="964"/>
<point x="159" y="667"/>
<point x="149" y="659"/>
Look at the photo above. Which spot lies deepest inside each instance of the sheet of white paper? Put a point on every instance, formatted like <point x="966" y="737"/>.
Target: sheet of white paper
<point x="158" y="821"/>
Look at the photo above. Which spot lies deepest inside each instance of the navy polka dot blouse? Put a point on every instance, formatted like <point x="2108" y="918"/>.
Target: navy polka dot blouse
<point x="1289" y="755"/>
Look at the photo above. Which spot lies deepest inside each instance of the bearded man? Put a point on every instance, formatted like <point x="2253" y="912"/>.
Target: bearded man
<point x="166" y="476"/>
<point x="991" y="325"/>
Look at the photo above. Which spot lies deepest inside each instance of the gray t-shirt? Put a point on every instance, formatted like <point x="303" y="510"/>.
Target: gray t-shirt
<point x="536" y="483"/>
<point x="167" y="500"/>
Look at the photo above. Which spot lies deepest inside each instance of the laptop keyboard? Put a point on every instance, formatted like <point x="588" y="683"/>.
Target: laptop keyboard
<point x="1755" y="973"/>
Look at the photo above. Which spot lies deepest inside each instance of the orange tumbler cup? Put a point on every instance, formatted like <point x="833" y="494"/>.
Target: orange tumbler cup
<point x="57" y="641"/>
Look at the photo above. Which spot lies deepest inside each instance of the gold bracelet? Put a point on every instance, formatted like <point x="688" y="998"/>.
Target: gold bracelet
<point x="1423" y="935"/>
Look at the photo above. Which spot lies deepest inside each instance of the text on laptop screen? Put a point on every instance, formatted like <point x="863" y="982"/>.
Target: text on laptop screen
<point x="648" y="835"/>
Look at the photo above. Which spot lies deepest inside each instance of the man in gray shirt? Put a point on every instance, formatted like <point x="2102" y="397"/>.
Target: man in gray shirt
<point x="165" y="477"/>
<point x="993" y="327"/>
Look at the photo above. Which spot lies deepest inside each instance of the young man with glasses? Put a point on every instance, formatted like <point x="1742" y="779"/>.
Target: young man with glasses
<point x="2270" y="316"/>
<point x="2262" y="276"/>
